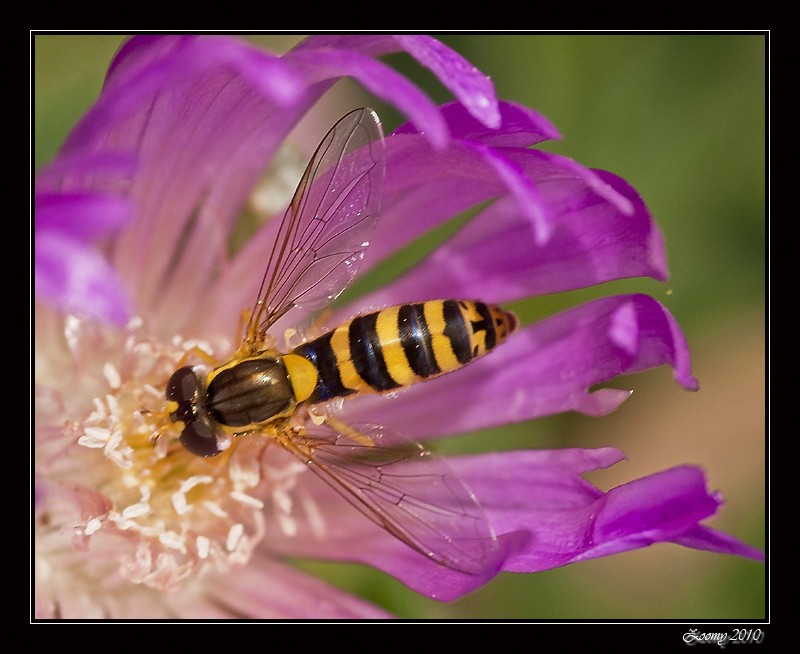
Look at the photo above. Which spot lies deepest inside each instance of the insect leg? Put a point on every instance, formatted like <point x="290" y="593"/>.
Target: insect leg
<point x="349" y="431"/>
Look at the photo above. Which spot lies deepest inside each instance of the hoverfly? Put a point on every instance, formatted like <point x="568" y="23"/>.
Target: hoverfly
<point x="397" y="484"/>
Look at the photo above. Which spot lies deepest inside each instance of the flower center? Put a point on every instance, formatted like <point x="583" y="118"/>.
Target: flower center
<point x="173" y="514"/>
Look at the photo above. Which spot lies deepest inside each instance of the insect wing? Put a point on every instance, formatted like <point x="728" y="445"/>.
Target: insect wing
<point x="324" y="232"/>
<point x="404" y="489"/>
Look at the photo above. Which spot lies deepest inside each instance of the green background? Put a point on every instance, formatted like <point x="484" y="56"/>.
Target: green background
<point x="682" y="118"/>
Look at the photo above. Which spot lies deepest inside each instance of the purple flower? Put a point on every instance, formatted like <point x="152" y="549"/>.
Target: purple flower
<point x="134" y="223"/>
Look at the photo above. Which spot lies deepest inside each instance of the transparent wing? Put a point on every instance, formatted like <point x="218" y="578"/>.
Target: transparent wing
<point x="404" y="489"/>
<point x="324" y="232"/>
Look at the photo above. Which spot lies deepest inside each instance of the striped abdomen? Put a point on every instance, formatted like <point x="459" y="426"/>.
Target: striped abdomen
<point x="402" y="345"/>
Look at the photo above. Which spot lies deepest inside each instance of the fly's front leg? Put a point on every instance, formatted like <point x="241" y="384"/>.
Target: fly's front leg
<point x="199" y="353"/>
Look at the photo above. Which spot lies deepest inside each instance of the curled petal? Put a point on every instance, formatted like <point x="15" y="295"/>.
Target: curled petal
<point x="425" y="187"/>
<point x="519" y="126"/>
<point x="469" y="85"/>
<point x="545" y="515"/>
<point x="569" y="520"/>
<point x="331" y="64"/>
<point x="711" y="540"/>
<point x="547" y="368"/>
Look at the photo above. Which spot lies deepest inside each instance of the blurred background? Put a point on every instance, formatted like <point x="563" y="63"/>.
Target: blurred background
<point x="682" y="118"/>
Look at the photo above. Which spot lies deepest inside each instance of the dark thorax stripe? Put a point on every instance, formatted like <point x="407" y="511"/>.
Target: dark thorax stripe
<point x="321" y="354"/>
<point x="416" y="340"/>
<point x="456" y="331"/>
<point x="367" y="354"/>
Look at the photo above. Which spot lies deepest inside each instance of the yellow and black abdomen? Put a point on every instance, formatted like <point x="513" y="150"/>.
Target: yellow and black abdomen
<point x="401" y="345"/>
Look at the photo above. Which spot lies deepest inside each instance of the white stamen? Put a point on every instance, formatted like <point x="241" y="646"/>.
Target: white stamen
<point x="284" y="473"/>
<point x="92" y="526"/>
<point x="215" y="509"/>
<point x="203" y="546"/>
<point x="151" y="390"/>
<point x="244" y="498"/>
<point x="123" y="456"/>
<point x="113" y="441"/>
<point x="172" y="540"/>
<point x="282" y="500"/>
<point x="141" y="563"/>
<point x="132" y="481"/>
<point x="287" y="524"/>
<point x="193" y="481"/>
<point x="113" y="407"/>
<point x="112" y="376"/>
<point x="234" y="536"/>
<point x="95" y="437"/>
<point x="125" y="525"/>
<point x="180" y="504"/>
<point x="162" y="447"/>
<point x="99" y="408"/>
<point x="245" y="474"/>
<point x="179" y="497"/>
<point x="135" y="510"/>
<point x="315" y="519"/>
<point x="71" y="332"/>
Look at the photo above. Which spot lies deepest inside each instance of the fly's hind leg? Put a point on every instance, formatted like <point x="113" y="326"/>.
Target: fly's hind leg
<point x="348" y="431"/>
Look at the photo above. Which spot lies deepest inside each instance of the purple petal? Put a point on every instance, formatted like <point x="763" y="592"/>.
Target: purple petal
<point x="70" y="273"/>
<point x="546" y="368"/>
<point x="469" y="85"/>
<point x="84" y="216"/>
<point x="203" y="116"/>
<point x="326" y="526"/>
<point x="139" y="51"/>
<point x="425" y="187"/>
<point x="150" y="66"/>
<point x="497" y="258"/>
<point x="568" y="520"/>
<point x="266" y="589"/>
<point x="519" y="126"/>
<point x="474" y="89"/>
<point x="331" y="64"/>
<point x="543" y="511"/>
<point x="77" y="279"/>
<point x="115" y="169"/>
<point x="711" y="540"/>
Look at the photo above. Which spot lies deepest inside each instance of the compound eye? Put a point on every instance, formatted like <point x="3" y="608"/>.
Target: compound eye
<point x="183" y="385"/>
<point x="183" y="388"/>
<point x="201" y="440"/>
